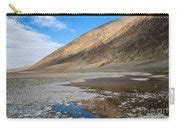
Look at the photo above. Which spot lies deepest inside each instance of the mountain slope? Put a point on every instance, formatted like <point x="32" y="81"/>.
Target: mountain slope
<point x="132" y="41"/>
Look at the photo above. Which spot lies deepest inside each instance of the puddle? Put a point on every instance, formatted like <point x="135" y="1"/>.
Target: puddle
<point x="73" y="111"/>
<point x="124" y="84"/>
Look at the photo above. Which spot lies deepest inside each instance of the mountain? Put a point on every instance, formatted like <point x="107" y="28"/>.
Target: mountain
<point x="131" y="42"/>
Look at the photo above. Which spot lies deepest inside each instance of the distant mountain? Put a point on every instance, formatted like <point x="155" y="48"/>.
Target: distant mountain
<point x="131" y="42"/>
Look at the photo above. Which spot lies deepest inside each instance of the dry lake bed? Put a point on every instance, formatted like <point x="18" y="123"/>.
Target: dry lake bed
<point x="87" y="95"/>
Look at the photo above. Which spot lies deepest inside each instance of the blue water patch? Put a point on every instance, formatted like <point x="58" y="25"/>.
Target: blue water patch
<point x="73" y="111"/>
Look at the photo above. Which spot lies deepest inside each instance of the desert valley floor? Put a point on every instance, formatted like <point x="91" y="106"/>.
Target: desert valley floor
<point x="87" y="95"/>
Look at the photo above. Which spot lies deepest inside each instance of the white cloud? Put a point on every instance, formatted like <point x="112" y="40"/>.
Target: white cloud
<point x="72" y="30"/>
<point x="50" y="21"/>
<point x="26" y="46"/>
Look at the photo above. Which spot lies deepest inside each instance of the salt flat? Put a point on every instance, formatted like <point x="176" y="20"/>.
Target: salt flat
<point x="33" y="95"/>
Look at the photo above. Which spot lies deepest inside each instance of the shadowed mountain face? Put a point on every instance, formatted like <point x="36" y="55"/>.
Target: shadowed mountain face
<point x="132" y="42"/>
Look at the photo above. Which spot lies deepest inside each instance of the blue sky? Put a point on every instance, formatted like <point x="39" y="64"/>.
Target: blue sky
<point x="30" y="38"/>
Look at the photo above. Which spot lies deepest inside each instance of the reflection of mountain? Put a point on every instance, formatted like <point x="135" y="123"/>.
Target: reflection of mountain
<point x="132" y="42"/>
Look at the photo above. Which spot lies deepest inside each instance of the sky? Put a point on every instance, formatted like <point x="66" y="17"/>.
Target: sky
<point x="31" y="38"/>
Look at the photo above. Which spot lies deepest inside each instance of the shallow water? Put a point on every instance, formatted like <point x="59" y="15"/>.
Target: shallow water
<point x="73" y="111"/>
<point x="127" y="97"/>
<point x="126" y="83"/>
